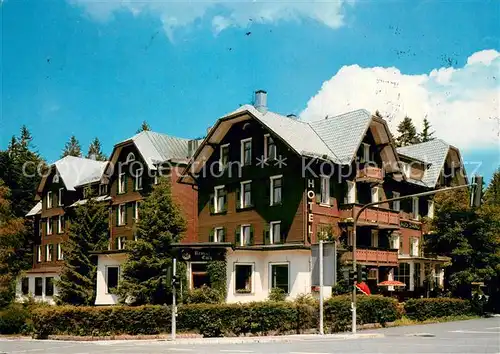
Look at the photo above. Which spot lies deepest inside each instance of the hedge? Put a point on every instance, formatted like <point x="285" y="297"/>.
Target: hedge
<point x="15" y="319"/>
<point x="423" y="309"/>
<point x="212" y="320"/>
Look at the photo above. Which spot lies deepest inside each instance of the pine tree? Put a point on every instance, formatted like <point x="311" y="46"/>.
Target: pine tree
<point x="25" y="140"/>
<point x="492" y="193"/>
<point x="407" y="133"/>
<point x="13" y="235"/>
<point x="145" y="273"/>
<point x="95" y="151"/>
<point x="72" y="148"/>
<point x="144" y="127"/>
<point x="88" y="232"/>
<point x="427" y="134"/>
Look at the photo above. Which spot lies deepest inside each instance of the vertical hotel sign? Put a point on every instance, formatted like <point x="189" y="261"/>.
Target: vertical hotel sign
<point x="310" y="200"/>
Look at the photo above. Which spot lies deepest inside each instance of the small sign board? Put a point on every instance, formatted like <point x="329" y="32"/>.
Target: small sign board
<point x="329" y="264"/>
<point x="201" y="254"/>
<point x="409" y="225"/>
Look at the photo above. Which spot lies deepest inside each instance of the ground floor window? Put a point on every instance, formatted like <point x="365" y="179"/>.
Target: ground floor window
<point x="199" y="275"/>
<point x="402" y="274"/>
<point x="112" y="276"/>
<point x="38" y="286"/>
<point x="25" y="286"/>
<point x="279" y="276"/>
<point x="243" y="275"/>
<point x="437" y="276"/>
<point x="49" y="286"/>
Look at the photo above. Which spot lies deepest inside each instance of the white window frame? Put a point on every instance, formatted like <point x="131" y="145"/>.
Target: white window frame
<point x="48" y="254"/>
<point x="221" y="166"/>
<point x="218" y="208"/>
<point x="252" y="278"/>
<point x="271" y="231"/>
<point x="374" y="238"/>
<point x="242" y="148"/>
<point x="49" y="199"/>
<point x="121" y="215"/>
<point x="414" y="247"/>
<point x="216" y="234"/>
<point x="374" y="192"/>
<point x="325" y="190"/>
<point x="351" y="192"/>
<point x="396" y="205"/>
<point x="60" y="228"/>
<point x="270" y="271"/>
<point x="242" y="234"/>
<point x="59" y="197"/>
<point x="266" y="147"/>
<point x="106" y="275"/>
<point x="414" y="208"/>
<point x="430" y="208"/>
<point x="49" y="226"/>
<point x="103" y="189"/>
<point x="242" y="194"/>
<point x="366" y="152"/>
<point x="60" y="254"/>
<point x="271" y="182"/>
<point x="138" y="179"/>
<point x="136" y="211"/>
<point x="122" y="240"/>
<point x="39" y="253"/>
<point x="395" y="242"/>
<point x="121" y="179"/>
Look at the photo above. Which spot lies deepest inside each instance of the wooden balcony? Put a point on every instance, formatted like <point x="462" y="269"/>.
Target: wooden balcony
<point x="373" y="256"/>
<point x="370" y="216"/>
<point x="369" y="174"/>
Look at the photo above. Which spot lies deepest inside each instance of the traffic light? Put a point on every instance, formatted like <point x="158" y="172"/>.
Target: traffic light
<point x="353" y="276"/>
<point x="176" y="281"/>
<point x="362" y="273"/>
<point x="476" y="191"/>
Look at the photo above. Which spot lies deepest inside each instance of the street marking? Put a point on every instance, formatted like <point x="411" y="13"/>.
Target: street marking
<point x="493" y="328"/>
<point x="180" y="349"/>
<point x="467" y="331"/>
<point x="306" y="353"/>
<point x="235" y="351"/>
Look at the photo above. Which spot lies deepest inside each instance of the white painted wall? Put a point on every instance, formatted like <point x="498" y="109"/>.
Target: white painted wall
<point x="299" y="263"/>
<point x="31" y="277"/>
<point x="103" y="261"/>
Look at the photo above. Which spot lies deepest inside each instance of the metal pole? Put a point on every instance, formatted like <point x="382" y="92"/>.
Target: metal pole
<point x="321" y="330"/>
<point x="174" y="305"/>
<point x="355" y="223"/>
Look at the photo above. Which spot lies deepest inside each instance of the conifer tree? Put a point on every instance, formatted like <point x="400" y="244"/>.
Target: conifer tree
<point x="88" y="232"/>
<point x="95" y="151"/>
<point x="72" y="148"/>
<point x="407" y="133"/>
<point x="427" y="134"/>
<point x="144" y="127"/>
<point x="145" y="273"/>
<point x="492" y="193"/>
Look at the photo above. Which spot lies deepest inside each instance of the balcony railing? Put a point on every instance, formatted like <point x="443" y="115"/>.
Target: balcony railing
<point x="369" y="173"/>
<point x="374" y="256"/>
<point x="371" y="215"/>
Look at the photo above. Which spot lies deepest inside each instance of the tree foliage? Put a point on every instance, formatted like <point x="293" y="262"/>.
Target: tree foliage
<point x="426" y="134"/>
<point x="95" y="151"/>
<point x="492" y="193"/>
<point x="145" y="276"/>
<point x="12" y="237"/>
<point x="72" y="148"/>
<point x="407" y="133"/>
<point x="88" y="232"/>
<point x="144" y="127"/>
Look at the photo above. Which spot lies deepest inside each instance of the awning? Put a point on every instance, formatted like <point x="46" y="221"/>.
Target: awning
<point x="391" y="283"/>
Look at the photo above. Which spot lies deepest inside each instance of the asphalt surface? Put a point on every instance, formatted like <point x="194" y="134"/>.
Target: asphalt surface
<point x="473" y="336"/>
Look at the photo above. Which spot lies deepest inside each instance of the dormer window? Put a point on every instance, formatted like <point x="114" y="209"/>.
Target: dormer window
<point x="121" y="182"/>
<point x="138" y="179"/>
<point x="224" y="157"/>
<point x="269" y="147"/>
<point x="246" y="152"/>
<point x="49" y="199"/>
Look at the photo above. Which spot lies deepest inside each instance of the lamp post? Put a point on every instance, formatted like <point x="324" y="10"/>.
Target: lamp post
<point x="474" y="199"/>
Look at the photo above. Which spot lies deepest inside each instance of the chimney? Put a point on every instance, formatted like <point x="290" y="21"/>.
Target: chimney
<point x="261" y="101"/>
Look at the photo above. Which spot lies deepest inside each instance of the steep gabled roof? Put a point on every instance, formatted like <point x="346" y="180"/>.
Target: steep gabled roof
<point x="156" y="147"/>
<point x="433" y="152"/>
<point x="75" y="172"/>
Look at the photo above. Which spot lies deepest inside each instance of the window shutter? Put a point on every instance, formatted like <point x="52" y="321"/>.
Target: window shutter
<point x="267" y="240"/>
<point x="211" y="237"/>
<point x="125" y="214"/>
<point x="211" y="203"/>
<point x="237" y="236"/>
<point x="116" y="243"/>
<point x="251" y="234"/>
<point x="225" y="201"/>
<point x="251" y="194"/>
<point x="238" y="197"/>
<point x="283" y="233"/>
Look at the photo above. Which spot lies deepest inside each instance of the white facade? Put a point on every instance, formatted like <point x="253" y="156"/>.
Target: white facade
<point x="37" y="295"/>
<point x="105" y="261"/>
<point x="298" y="261"/>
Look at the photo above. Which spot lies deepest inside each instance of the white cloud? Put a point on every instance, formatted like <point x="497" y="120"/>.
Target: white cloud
<point x="240" y="13"/>
<point x="462" y="104"/>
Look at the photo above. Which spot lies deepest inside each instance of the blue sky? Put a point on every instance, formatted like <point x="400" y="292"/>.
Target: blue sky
<point x="100" y="68"/>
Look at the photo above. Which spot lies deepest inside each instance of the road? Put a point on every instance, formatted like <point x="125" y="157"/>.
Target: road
<point x="473" y="336"/>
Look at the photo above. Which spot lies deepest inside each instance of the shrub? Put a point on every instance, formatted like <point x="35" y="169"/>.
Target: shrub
<point x="203" y="295"/>
<point x="14" y="319"/>
<point x="423" y="309"/>
<point x="277" y="294"/>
